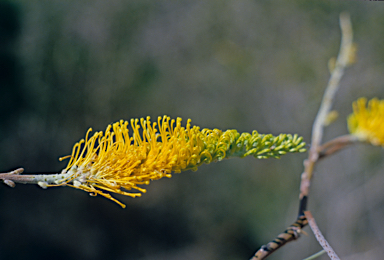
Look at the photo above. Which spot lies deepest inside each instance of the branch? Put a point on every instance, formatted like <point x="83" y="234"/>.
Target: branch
<point x="320" y="238"/>
<point x="336" y="145"/>
<point x="344" y="59"/>
<point x="43" y="180"/>
<point x="291" y="233"/>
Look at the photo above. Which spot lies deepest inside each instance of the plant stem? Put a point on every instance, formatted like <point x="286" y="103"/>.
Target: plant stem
<point x="314" y="256"/>
<point x="336" y="145"/>
<point x="43" y="180"/>
<point x="319" y="236"/>
<point x="291" y="233"/>
<point x="343" y="60"/>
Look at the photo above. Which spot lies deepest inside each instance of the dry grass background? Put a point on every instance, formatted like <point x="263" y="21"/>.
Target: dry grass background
<point x="249" y="65"/>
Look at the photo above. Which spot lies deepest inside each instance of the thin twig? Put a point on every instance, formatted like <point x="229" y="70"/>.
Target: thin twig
<point x="336" y="145"/>
<point x="320" y="238"/>
<point x="291" y="233"/>
<point x="43" y="180"/>
<point x="343" y="60"/>
<point x="314" y="256"/>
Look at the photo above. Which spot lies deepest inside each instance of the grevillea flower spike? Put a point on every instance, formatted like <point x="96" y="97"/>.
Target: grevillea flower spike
<point x="117" y="162"/>
<point x="367" y="121"/>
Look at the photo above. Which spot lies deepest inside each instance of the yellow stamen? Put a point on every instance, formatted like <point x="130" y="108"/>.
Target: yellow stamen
<point x="367" y="120"/>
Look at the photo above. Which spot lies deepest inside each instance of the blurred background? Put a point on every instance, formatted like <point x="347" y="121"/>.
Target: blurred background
<point x="66" y="66"/>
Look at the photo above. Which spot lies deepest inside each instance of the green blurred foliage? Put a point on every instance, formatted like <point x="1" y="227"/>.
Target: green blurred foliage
<point x="247" y="65"/>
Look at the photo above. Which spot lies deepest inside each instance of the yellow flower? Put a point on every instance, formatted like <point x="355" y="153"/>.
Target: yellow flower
<point x="367" y="121"/>
<point x="117" y="162"/>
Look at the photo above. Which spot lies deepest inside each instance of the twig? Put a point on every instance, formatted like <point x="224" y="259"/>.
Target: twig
<point x="336" y="145"/>
<point x="343" y="60"/>
<point x="320" y="238"/>
<point x="43" y="180"/>
<point x="314" y="256"/>
<point x="291" y="233"/>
